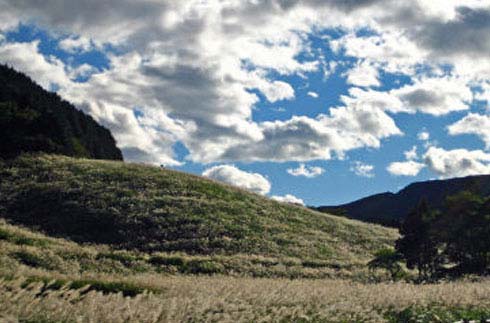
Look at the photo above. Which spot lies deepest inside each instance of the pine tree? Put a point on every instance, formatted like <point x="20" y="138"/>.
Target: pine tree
<point x="416" y="245"/>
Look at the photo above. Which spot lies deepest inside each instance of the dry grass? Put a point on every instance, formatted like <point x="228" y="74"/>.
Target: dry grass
<point x="150" y="209"/>
<point x="160" y="293"/>
<point x="226" y="299"/>
<point x="43" y="279"/>
<point x="22" y="249"/>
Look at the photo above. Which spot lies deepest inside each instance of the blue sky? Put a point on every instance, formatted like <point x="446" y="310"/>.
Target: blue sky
<point x="292" y="102"/>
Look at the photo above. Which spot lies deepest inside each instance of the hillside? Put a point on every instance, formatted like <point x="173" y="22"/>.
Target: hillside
<point x="149" y="209"/>
<point x="391" y="208"/>
<point x="34" y="120"/>
<point x="43" y="279"/>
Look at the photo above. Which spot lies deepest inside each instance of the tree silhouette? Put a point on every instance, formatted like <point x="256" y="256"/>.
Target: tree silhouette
<point x="416" y="244"/>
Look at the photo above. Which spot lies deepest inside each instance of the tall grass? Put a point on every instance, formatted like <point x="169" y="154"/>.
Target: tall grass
<point x="151" y="209"/>
<point x="226" y="299"/>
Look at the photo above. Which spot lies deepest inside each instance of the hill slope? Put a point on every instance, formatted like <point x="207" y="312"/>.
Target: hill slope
<point x="155" y="210"/>
<point x="32" y="119"/>
<point x="391" y="208"/>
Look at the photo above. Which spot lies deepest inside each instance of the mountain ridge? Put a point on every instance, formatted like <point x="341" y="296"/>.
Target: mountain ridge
<point x="390" y="208"/>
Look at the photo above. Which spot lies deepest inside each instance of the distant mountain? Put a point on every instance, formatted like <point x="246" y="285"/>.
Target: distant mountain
<point x="35" y="120"/>
<point x="390" y="208"/>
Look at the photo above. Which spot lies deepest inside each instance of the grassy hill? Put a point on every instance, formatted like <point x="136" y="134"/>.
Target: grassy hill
<point x="153" y="245"/>
<point x="153" y="210"/>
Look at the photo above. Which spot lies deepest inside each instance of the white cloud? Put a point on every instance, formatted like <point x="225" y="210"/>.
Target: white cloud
<point x="436" y="96"/>
<point x="75" y="45"/>
<point x="193" y="64"/>
<point x="303" y="138"/>
<point x="457" y="162"/>
<point x="362" y="169"/>
<point x="234" y="176"/>
<point x="82" y="71"/>
<point x="423" y="135"/>
<point x="306" y="171"/>
<point x="313" y="94"/>
<point x="392" y="49"/>
<point x="288" y="198"/>
<point x="363" y="74"/>
<point x="26" y="58"/>
<point x="475" y="124"/>
<point x="277" y="90"/>
<point x="411" y="154"/>
<point x="406" y="168"/>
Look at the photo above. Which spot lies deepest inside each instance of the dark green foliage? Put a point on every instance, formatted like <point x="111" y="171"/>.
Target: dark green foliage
<point x="391" y="208"/>
<point x="388" y="259"/>
<point x="206" y="267"/>
<point x="106" y="287"/>
<point x="463" y="231"/>
<point x="167" y="261"/>
<point x="452" y="242"/>
<point x="33" y="260"/>
<point x="21" y="240"/>
<point x="417" y="245"/>
<point x="34" y="120"/>
<point x="418" y="314"/>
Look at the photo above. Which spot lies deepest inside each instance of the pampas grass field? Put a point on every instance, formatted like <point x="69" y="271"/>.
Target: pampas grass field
<point x="267" y="261"/>
<point x="226" y="299"/>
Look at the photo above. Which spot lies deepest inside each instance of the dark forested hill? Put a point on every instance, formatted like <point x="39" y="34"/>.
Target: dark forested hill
<point x="390" y="208"/>
<point x="34" y="120"/>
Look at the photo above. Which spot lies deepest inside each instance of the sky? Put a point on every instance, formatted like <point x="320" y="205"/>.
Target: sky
<point x="313" y="102"/>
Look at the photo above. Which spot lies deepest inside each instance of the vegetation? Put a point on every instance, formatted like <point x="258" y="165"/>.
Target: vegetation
<point x="229" y="299"/>
<point x="388" y="259"/>
<point x="141" y="279"/>
<point x="69" y="282"/>
<point x="391" y="209"/>
<point x="34" y="120"/>
<point x="451" y="242"/>
<point x="153" y="210"/>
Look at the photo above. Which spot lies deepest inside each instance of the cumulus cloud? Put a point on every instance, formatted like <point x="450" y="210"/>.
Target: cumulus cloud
<point x="234" y="176"/>
<point x="436" y="96"/>
<point x="25" y="57"/>
<point x="362" y="169"/>
<point x="411" y="154"/>
<point x="363" y="74"/>
<point x="303" y="138"/>
<point x="196" y="65"/>
<point x="394" y="50"/>
<point x="475" y="124"/>
<point x="406" y="168"/>
<point x="457" y="162"/>
<point x="288" y="198"/>
<point x="306" y="171"/>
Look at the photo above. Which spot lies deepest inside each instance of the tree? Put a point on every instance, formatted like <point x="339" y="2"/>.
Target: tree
<point x="417" y="246"/>
<point x="387" y="259"/>
<point x="463" y="231"/>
